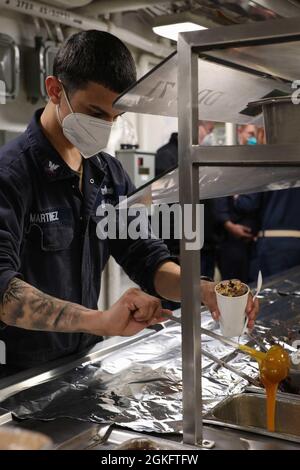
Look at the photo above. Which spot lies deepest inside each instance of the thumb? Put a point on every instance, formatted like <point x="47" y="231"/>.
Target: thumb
<point x="215" y="314"/>
<point x="164" y="315"/>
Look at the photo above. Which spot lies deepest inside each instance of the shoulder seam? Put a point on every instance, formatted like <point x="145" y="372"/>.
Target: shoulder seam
<point x="11" y="164"/>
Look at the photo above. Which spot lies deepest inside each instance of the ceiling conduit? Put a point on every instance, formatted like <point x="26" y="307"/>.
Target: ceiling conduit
<point x="100" y="7"/>
<point x="283" y="8"/>
<point x="68" y="18"/>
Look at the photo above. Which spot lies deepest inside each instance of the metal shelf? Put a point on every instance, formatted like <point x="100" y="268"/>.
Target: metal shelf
<point x="224" y="92"/>
<point x="237" y="65"/>
<point x="248" y="155"/>
<point x="222" y="173"/>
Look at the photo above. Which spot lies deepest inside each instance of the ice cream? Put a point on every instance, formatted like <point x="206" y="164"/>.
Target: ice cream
<point x="232" y="288"/>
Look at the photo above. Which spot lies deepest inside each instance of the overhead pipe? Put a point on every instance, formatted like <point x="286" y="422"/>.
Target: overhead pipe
<point x="68" y="18"/>
<point x="69" y="3"/>
<point x="101" y="7"/>
<point x="285" y="9"/>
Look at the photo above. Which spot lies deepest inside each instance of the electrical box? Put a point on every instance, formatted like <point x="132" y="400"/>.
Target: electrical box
<point x="139" y="165"/>
<point x="9" y="69"/>
<point x="39" y="64"/>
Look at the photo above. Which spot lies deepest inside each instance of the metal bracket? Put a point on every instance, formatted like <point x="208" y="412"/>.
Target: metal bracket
<point x="206" y="444"/>
<point x="101" y="437"/>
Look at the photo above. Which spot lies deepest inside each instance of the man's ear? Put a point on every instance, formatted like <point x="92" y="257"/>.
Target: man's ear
<point x="54" y="89"/>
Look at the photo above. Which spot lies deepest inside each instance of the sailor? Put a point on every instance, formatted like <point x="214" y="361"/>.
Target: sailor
<point x="278" y="239"/>
<point x="53" y="178"/>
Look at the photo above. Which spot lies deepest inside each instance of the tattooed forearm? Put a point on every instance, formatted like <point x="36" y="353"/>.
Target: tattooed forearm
<point x="26" y="307"/>
<point x="15" y="291"/>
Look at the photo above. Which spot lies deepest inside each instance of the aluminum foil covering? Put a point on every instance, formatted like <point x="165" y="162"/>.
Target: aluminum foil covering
<point x="140" y="387"/>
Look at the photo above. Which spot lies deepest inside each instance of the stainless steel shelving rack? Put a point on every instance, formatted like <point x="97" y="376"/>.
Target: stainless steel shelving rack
<point x="253" y="55"/>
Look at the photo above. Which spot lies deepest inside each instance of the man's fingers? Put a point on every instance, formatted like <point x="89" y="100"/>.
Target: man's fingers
<point x="215" y="314"/>
<point x="256" y="306"/>
<point x="143" y="314"/>
<point x="252" y="310"/>
<point x="148" y="311"/>
<point x="143" y="306"/>
<point x="163" y="315"/>
<point x="252" y="306"/>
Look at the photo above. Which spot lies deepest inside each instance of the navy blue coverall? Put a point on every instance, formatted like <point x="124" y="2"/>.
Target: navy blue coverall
<point x="48" y="237"/>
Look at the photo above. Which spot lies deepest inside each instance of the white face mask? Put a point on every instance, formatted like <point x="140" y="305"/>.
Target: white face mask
<point x="88" y="134"/>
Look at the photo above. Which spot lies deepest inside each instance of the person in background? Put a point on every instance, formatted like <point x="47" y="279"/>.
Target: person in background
<point x="248" y="134"/>
<point x="277" y="246"/>
<point x="167" y="158"/>
<point x="239" y="229"/>
<point x="205" y="133"/>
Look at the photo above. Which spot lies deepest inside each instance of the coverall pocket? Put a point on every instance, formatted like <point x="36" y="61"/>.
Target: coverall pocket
<point x="51" y="238"/>
<point x="56" y="238"/>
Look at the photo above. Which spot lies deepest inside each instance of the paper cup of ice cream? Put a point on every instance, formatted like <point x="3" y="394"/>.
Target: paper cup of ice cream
<point x="232" y="297"/>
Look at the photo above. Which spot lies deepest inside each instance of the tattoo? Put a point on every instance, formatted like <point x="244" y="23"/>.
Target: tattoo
<point x="14" y="292"/>
<point x="60" y="316"/>
<point x="26" y="307"/>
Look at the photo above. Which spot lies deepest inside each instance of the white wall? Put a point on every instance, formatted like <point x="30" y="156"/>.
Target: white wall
<point x="153" y="131"/>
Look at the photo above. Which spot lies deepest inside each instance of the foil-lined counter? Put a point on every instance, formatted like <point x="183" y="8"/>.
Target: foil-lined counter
<point x="140" y="387"/>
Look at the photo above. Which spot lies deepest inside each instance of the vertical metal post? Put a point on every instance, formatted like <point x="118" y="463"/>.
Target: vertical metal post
<point x="230" y="133"/>
<point x="190" y="259"/>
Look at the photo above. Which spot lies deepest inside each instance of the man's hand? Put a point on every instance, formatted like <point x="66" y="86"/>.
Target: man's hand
<point x="239" y="231"/>
<point x="26" y="307"/>
<point x="133" y="312"/>
<point x="167" y="285"/>
<point x="209" y="298"/>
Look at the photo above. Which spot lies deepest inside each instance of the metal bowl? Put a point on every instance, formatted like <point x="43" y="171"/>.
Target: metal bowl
<point x="247" y="412"/>
<point x="13" y="438"/>
<point x="141" y="444"/>
<point x="292" y="383"/>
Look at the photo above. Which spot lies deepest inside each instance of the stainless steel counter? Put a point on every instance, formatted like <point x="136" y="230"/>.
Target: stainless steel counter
<point x="70" y="434"/>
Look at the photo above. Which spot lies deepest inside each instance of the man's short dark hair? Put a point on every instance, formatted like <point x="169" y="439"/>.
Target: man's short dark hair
<point x="94" y="56"/>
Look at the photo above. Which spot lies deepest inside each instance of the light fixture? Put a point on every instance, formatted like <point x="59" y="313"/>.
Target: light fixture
<point x="169" y="26"/>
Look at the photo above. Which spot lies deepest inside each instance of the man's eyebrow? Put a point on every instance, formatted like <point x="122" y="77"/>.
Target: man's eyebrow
<point x="100" y="110"/>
